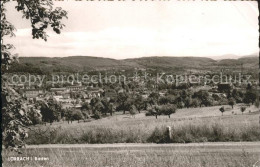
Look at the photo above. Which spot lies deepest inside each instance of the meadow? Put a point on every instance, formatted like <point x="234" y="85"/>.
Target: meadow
<point x="139" y="155"/>
<point x="133" y="141"/>
<point x="187" y="126"/>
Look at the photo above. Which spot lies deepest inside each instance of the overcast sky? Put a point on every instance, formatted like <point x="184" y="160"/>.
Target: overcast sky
<point x="137" y="29"/>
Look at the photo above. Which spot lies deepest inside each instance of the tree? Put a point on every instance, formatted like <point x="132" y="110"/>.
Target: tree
<point x="68" y="115"/>
<point x="62" y="113"/>
<point x="164" y="100"/>
<point x="97" y="115"/>
<point x="242" y="109"/>
<point x="85" y="106"/>
<point x="77" y="115"/>
<point x="216" y="97"/>
<point x="139" y="103"/>
<point x="105" y="103"/>
<point x="151" y="101"/>
<point x="154" y="110"/>
<point x="133" y="110"/>
<point x="47" y="113"/>
<point x="180" y="104"/>
<point x="14" y="118"/>
<point x="257" y="103"/>
<point x="50" y="111"/>
<point x="237" y="95"/>
<point x="188" y="102"/>
<point x="97" y="106"/>
<point x="250" y="97"/>
<point x="204" y="97"/>
<point x="111" y="108"/>
<point x="124" y="102"/>
<point x="41" y="15"/>
<point x="85" y="109"/>
<point x="232" y="102"/>
<point x="34" y="115"/>
<point x="168" y="109"/>
<point x="222" y="110"/>
<point x="154" y="96"/>
<point x="195" y="102"/>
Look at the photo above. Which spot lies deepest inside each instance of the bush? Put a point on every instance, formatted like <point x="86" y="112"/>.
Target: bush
<point x="97" y="115"/>
<point x="232" y="102"/>
<point x="148" y="113"/>
<point x="222" y="110"/>
<point x="242" y="109"/>
<point x="223" y="101"/>
<point x="195" y="103"/>
<point x="167" y="109"/>
<point x="133" y="110"/>
<point x="186" y="133"/>
<point x="35" y="116"/>
<point x="159" y="135"/>
<point x="77" y="115"/>
<point x="153" y="111"/>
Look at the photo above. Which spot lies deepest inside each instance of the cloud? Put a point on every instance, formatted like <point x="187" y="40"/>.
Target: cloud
<point x="117" y="42"/>
<point x="177" y="30"/>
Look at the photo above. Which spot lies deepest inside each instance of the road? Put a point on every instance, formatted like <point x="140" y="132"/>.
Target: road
<point x="253" y="147"/>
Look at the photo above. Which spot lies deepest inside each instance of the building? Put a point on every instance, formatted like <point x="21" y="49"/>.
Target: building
<point x="31" y="93"/>
<point x="76" y="88"/>
<point x="58" y="91"/>
<point x="17" y="86"/>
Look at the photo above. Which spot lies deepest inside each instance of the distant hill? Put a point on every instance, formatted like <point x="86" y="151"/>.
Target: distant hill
<point x="231" y="56"/>
<point x="247" y="62"/>
<point x="172" y="61"/>
<point x="71" y="64"/>
<point x="87" y="63"/>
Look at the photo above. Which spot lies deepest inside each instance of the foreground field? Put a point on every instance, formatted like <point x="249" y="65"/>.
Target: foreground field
<point x="188" y="125"/>
<point x="139" y="155"/>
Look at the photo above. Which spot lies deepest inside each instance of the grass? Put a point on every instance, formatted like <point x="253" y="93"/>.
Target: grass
<point x="188" y="125"/>
<point x="163" y="156"/>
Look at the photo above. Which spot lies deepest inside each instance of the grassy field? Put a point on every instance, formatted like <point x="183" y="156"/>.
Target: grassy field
<point x="139" y="155"/>
<point x="188" y="125"/>
<point x="195" y="127"/>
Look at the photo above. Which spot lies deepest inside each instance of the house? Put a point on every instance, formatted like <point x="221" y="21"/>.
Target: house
<point x="31" y="93"/>
<point x="76" y="88"/>
<point x="57" y="98"/>
<point x="66" y="95"/>
<point x="93" y="94"/>
<point x="58" y="89"/>
<point x="16" y="86"/>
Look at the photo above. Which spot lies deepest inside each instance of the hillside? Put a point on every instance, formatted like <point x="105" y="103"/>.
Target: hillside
<point x="68" y="64"/>
<point x="172" y="62"/>
<point x="247" y="62"/>
<point x="87" y="63"/>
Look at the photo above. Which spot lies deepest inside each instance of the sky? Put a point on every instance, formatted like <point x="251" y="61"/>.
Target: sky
<point x="130" y="29"/>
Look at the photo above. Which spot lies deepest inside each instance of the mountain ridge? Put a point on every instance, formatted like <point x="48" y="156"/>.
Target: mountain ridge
<point x="88" y="63"/>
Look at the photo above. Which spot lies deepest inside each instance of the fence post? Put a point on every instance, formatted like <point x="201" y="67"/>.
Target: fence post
<point x="169" y="131"/>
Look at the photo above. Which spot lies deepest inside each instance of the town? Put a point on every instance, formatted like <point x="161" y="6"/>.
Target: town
<point x="145" y="90"/>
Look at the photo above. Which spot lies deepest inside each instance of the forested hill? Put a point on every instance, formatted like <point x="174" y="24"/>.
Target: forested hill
<point x="87" y="63"/>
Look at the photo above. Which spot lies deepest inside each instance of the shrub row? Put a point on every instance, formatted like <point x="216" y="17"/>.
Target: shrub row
<point x="181" y="134"/>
